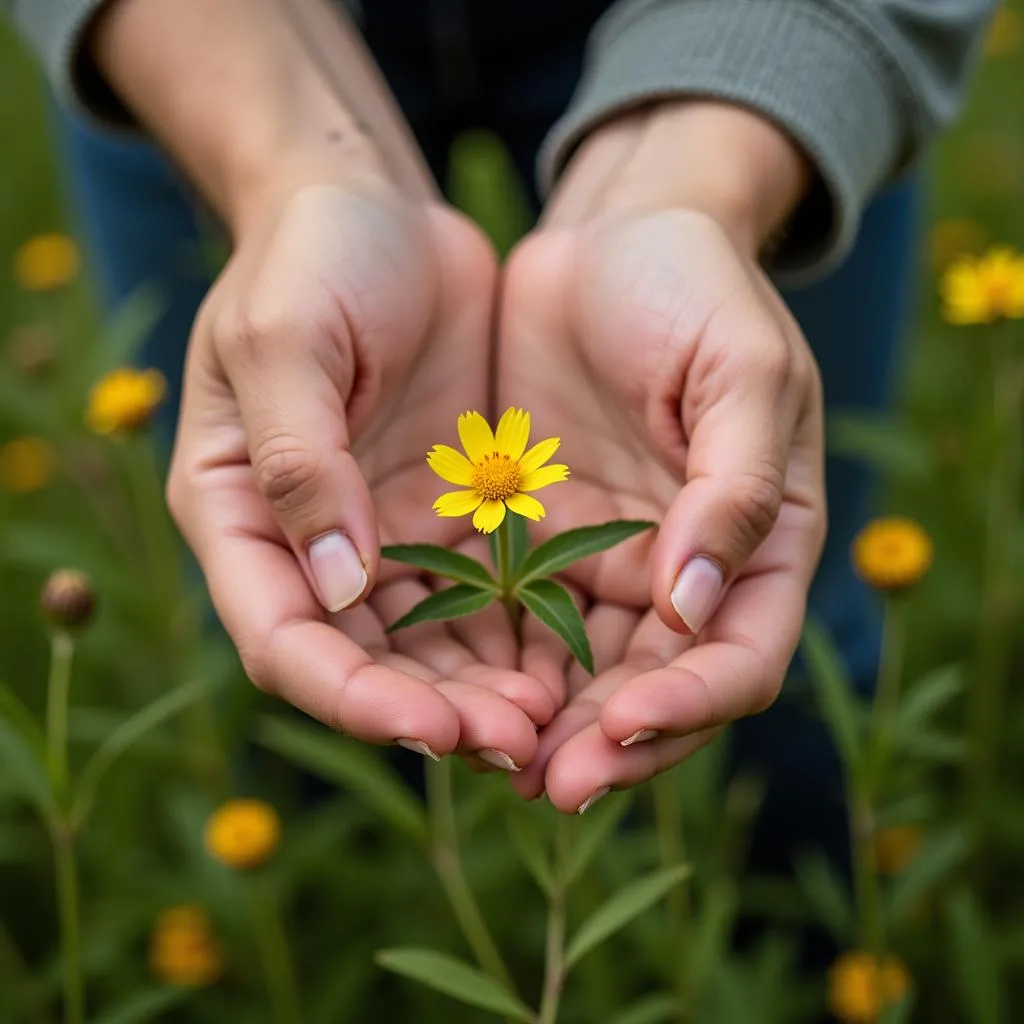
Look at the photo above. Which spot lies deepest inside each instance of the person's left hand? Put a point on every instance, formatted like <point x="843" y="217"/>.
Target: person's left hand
<point x="651" y="342"/>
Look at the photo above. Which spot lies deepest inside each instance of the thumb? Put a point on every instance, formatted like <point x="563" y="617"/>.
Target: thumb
<point x="291" y="396"/>
<point x="739" y="449"/>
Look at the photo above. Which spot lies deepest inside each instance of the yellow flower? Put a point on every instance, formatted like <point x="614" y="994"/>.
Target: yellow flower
<point x="26" y="465"/>
<point x="896" y="847"/>
<point x="978" y="290"/>
<point x="892" y="553"/>
<point x="498" y="472"/>
<point x="243" y="833"/>
<point x="46" y="262"/>
<point x="859" y="989"/>
<point x="1004" y="32"/>
<point x="124" y="400"/>
<point x="183" y="949"/>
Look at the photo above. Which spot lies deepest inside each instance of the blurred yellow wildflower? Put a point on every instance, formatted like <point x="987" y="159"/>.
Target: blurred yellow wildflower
<point x="1004" y="32"/>
<point x="183" y="949"/>
<point x="980" y="289"/>
<point x="952" y="238"/>
<point x="46" y="262"/>
<point x="859" y="988"/>
<point x="896" y="847"/>
<point x="26" y="465"/>
<point x="243" y="833"/>
<point x="124" y="400"/>
<point x="498" y="472"/>
<point x="892" y="553"/>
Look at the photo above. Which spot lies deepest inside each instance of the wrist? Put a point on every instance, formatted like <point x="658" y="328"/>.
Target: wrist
<point x="720" y="160"/>
<point x="234" y="95"/>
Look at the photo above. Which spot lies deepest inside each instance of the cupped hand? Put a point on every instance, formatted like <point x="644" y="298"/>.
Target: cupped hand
<point x="348" y="331"/>
<point x="683" y="393"/>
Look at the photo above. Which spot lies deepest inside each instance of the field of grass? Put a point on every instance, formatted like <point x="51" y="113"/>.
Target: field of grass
<point x="362" y="862"/>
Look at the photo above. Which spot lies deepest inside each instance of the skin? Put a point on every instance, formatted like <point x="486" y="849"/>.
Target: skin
<point x="320" y="370"/>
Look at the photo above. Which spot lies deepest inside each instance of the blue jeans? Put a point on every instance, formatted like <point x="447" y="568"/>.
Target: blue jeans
<point x="142" y="227"/>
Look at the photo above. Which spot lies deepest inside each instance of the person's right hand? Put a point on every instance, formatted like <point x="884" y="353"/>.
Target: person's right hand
<point x="348" y="331"/>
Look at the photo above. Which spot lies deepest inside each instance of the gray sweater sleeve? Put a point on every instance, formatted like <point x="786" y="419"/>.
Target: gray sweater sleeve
<point x="861" y="85"/>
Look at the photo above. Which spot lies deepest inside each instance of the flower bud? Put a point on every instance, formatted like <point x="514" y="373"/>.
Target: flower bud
<point x="69" y="599"/>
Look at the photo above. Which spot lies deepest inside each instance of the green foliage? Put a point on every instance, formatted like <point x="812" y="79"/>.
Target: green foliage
<point x="553" y="605"/>
<point x="451" y="603"/>
<point x="442" y="562"/>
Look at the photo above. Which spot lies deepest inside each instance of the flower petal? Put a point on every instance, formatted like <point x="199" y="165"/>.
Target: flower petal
<point x="524" y="505"/>
<point x="457" y="503"/>
<point x="450" y="465"/>
<point x="542" y="477"/>
<point x="513" y="432"/>
<point x="488" y="516"/>
<point x="475" y="435"/>
<point x="538" y="455"/>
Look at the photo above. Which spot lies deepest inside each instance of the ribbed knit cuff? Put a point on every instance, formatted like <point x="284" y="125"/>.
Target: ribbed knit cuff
<point x="804" y="64"/>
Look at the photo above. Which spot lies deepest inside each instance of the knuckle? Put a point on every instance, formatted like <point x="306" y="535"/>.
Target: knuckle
<point x="756" y="501"/>
<point x="248" y="330"/>
<point x="287" y="472"/>
<point x="256" y="665"/>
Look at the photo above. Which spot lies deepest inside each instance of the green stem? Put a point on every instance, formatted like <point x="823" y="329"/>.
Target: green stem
<point x="554" y="956"/>
<point x="67" y="901"/>
<point x="865" y="876"/>
<point x="887" y="692"/>
<point x="995" y="635"/>
<point x="668" y="823"/>
<point x="448" y="865"/>
<point x="275" y="953"/>
<point x="503" y="557"/>
<point x="62" y="649"/>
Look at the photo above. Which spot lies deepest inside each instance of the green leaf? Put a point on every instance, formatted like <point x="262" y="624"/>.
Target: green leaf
<point x="976" y="967"/>
<point x="621" y="908"/>
<point x="898" y="1012"/>
<point x="710" y="945"/>
<point x="519" y="542"/>
<point x="927" y="696"/>
<point x="529" y="843"/>
<point x="148" y="1004"/>
<point x="27" y="768"/>
<point x="937" y="858"/>
<point x="651" y="1010"/>
<point x="348" y="764"/>
<point x="454" y="978"/>
<point x="21" y="718"/>
<point x="123" y="333"/>
<point x="942" y="747"/>
<point x="837" y="700"/>
<point x="552" y="604"/>
<point x="127" y="734"/>
<point x="442" y="562"/>
<point x="825" y="892"/>
<point x="562" y="550"/>
<point x="452" y="603"/>
<point x="889" y="447"/>
<point x="592" y="830"/>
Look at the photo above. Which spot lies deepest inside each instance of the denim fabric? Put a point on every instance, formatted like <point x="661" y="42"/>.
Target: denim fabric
<point x="472" y="71"/>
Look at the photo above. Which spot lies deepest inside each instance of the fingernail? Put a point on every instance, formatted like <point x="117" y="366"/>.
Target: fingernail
<point x="696" y="592"/>
<point x="337" y="569"/>
<point x="639" y="736"/>
<point x="418" y="747"/>
<point x="593" y="798"/>
<point x="499" y="759"/>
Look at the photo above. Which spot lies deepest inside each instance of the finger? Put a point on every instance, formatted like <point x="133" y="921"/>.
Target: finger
<point x="276" y="624"/>
<point x="588" y="765"/>
<point x="432" y="644"/>
<point x="580" y="713"/>
<point x="741" y="423"/>
<point x="291" y="381"/>
<point x="736" y="670"/>
<point x="491" y="727"/>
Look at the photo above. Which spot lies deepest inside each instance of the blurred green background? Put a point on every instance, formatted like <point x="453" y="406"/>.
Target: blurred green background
<point x="348" y="886"/>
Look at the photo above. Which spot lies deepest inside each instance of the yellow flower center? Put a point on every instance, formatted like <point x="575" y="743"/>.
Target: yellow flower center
<point x="999" y="288"/>
<point x="497" y="477"/>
